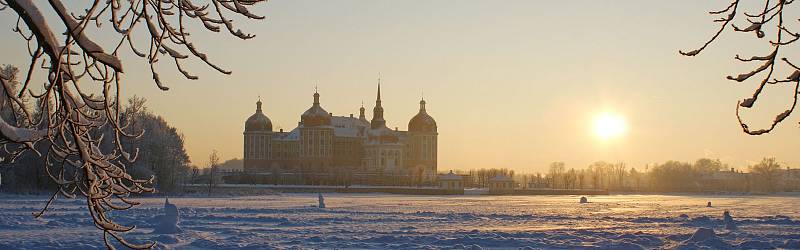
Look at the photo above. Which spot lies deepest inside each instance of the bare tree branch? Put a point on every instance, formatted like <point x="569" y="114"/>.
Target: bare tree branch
<point x="71" y="117"/>
<point x="771" y="14"/>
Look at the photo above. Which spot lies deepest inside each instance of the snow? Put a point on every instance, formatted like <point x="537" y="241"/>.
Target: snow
<point x="702" y="234"/>
<point x="411" y="222"/>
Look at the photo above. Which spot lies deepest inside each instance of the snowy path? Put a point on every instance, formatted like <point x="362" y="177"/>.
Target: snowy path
<point x="396" y="221"/>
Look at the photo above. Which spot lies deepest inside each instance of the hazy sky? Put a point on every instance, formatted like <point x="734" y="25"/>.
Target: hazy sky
<point x="513" y="84"/>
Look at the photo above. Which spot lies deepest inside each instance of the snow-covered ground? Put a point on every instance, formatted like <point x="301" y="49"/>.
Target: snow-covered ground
<point x="404" y="222"/>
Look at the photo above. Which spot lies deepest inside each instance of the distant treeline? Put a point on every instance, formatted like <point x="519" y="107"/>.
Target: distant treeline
<point x="703" y="175"/>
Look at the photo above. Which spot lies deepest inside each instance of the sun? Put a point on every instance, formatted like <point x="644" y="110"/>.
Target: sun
<point x="609" y="126"/>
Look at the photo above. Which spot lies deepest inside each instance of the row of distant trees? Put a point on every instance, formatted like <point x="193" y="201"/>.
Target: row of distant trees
<point x="702" y="175"/>
<point x="161" y="151"/>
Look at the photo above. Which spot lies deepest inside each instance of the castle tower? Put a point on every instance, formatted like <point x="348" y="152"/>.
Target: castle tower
<point x="423" y="144"/>
<point x="377" y="112"/>
<point x="257" y="141"/>
<point x="316" y="138"/>
<point x="361" y="116"/>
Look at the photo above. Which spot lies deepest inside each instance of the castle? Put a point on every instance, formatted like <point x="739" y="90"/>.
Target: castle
<point x="331" y="150"/>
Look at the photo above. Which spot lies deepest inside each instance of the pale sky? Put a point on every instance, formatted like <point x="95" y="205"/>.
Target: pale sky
<point x="513" y="84"/>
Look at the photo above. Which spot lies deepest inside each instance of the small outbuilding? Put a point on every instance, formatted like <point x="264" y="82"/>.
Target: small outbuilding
<point x="501" y="184"/>
<point x="452" y="182"/>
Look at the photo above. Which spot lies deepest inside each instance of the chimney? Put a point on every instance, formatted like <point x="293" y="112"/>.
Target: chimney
<point x="351" y="115"/>
<point x="330" y="114"/>
<point x="395" y="129"/>
<point x="281" y="130"/>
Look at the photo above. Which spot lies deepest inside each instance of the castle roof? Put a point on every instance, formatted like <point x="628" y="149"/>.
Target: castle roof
<point x="315" y="115"/>
<point x="422" y="122"/>
<point x="258" y="121"/>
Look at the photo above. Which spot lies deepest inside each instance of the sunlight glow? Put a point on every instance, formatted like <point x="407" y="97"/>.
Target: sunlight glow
<point x="609" y="126"/>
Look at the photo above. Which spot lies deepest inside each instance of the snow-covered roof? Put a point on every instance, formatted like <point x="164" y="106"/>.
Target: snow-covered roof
<point x="501" y="178"/>
<point x="450" y="177"/>
<point x="342" y="127"/>
<point x="382" y="135"/>
<point x="293" y="135"/>
<point x="348" y="126"/>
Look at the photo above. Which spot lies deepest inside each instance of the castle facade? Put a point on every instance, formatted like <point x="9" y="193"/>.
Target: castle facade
<point x="331" y="150"/>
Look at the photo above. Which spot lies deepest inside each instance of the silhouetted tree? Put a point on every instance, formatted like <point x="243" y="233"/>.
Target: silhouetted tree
<point x="213" y="164"/>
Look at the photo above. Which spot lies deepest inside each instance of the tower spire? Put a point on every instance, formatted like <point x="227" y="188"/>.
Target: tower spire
<point x="258" y="104"/>
<point x="379" y="89"/>
<point x="377" y="112"/>
<point x="316" y="96"/>
<point x="422" y="102"/>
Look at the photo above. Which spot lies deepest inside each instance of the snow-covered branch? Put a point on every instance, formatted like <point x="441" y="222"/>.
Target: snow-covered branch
<point x="72" y="118"/>
<point x="772" y="14"/>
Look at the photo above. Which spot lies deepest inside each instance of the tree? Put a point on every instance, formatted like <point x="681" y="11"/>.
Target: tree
<point x="195" y="171"/>
<point x="758" y="23"/>
<point x="618" y="171"/>
<point x="131" y="115"/>
<point x="72" y="114"/>
<point x="213" y="163"/>
<point x="705" y="166"/>
<point x="765" y="171"/>
<point x="569" y="178"/>
<point x="161" y="146"/>
<point x="598" y="171"/>
<point x="637" y="178"/>
<point x="555" y="173"/>
<point x="674" y="176"/>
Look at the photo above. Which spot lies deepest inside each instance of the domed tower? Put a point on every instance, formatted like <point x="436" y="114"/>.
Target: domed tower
<point x="315" y="115"/>
<point x="422" y="122"/>
<point x="316" y="137"/>
<point x="361" y="116"/>
<point x="257" y="141"/>
<point x="423" y="144"/>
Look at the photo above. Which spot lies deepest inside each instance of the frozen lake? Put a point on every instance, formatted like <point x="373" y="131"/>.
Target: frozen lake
<point x="398" y="221"/>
